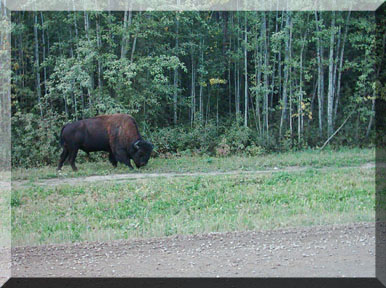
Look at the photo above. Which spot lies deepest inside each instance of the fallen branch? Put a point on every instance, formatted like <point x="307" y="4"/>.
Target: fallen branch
<point x="337" y="130"/>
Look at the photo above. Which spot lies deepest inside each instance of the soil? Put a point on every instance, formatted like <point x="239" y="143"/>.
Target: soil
<point x="318" y="251"/>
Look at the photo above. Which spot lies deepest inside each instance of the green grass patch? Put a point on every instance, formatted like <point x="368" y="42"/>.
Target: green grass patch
<point x="186" y="205"/>
<point x="315" y="158"/>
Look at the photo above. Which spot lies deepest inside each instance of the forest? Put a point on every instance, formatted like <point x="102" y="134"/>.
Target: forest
<point x="197" y="82"/>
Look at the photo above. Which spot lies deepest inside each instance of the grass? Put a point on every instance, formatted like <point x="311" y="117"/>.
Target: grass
<point x="336" y="158"/>
<point x="187" y="205"/>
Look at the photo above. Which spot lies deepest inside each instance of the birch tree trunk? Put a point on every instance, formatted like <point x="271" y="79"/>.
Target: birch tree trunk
<point x="90" y="86"/>
<point x="37" y="64"/>
<point x="245" y="73"/>
<point x="133" y="48"/>
<point x="44" y="54"/>
<point x="286" y="67"/>
<point x="135" y="41"/>
<point x="229" y="71"/>
<point x="266" y="88"/>
<point x="290" y="80"/>
<point x="337" y="96"/>
<point x="330" y="97"/>
<point x="320" y="76"/>
<point x="75" y="21"/>
<point x="237" y="71"/>
<point x="175" y="96"/>
<point x="193" y="93"/>
<point x="300" y="99"/>
<point x="201" y="104"/>
<point x="99" y="44"/>
<point x="258" y="80"/>
<point x="279" y="60"/>
<point x="126" y="23"/>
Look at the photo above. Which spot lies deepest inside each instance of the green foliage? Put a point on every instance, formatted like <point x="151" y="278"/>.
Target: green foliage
<point x="34" y="142"/>
<point x="201" y="139"/>
<point x="95" y="63"/>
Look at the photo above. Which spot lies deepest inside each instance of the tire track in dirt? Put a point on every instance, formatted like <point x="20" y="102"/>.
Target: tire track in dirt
<point x="134" y="176"/>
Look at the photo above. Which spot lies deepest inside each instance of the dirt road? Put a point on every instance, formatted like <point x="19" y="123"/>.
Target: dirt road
<point x="133" y="176"/>
<point x="319" y="251"/>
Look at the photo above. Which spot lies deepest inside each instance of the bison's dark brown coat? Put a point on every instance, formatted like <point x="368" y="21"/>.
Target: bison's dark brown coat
<point x="117" y="134"/>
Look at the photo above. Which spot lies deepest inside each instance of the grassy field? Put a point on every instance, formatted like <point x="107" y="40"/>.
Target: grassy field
<point x="314" y="158"/>
<point x="187" y="205"/>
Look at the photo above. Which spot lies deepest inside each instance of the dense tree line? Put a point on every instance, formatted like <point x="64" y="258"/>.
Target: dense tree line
<point x="205" y="81"/>
<point x="5" y="59"/>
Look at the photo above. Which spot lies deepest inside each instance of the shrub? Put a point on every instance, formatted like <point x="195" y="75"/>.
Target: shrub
<point x="223" y="149"/>
<point x="238" y="138"/>
<point x="35" y="142"/>
<point x="254" y="150"/>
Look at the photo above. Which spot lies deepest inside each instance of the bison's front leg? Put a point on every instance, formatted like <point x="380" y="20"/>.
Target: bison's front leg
<point x="121" y="156"/>
<point x="112" y="159"/>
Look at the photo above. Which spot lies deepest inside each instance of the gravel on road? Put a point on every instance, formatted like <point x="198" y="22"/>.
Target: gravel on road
<point x="318" y="251"/>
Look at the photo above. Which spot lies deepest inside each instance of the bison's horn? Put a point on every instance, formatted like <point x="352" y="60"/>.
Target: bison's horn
<point x="136" y="144"/>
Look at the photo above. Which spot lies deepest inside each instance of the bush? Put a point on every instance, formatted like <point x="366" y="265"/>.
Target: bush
<point x="254" y="150"/>
<point x="223" y="149"/>
<point x="200" y="139"/>
<point x="35" y="142"/>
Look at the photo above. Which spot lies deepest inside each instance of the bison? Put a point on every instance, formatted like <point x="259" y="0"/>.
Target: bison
<point x="116" y="134"/>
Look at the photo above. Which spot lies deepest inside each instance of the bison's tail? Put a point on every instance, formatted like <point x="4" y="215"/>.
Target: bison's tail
<point x="61" y="140"/>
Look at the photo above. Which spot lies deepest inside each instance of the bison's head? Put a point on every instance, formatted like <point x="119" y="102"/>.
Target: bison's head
<point x="140" y="152"/>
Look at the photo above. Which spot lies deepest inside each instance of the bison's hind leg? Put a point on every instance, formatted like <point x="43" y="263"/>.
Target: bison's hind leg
<point x="73" y="154"/>
<point x="63" y="158"/>
<point x="113" y="160"/>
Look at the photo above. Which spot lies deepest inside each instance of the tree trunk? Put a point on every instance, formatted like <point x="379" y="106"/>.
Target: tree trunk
<point x="229" y="72"/>
<point x="330" y="98"/>
<point x="320" y="77"/>
<point x="290" y="81"/>
<point x="193" y="93"/>
<point x="279" y="60"/>
<point x="245" y="73"/>
<point x="237" y="69"/>
<point x="44" y="54"/>
<point x="266" y="88"/>
<point x="371" y="116"/>
<point x="99" y="43"/>
<point x="90" y="86"/>
<point x="75" y="22"/>
<point x="300" y="99"/>
<point x="286" y="67"/>
<point x="259" y="51"/>
<point x="201" y="108"/>
<point x="126" y="24"/>
<point x="337" y="96"/>
<point x="175" y="97"/>
<point x="86" y="25"/>
<point x="37" y="64"/>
